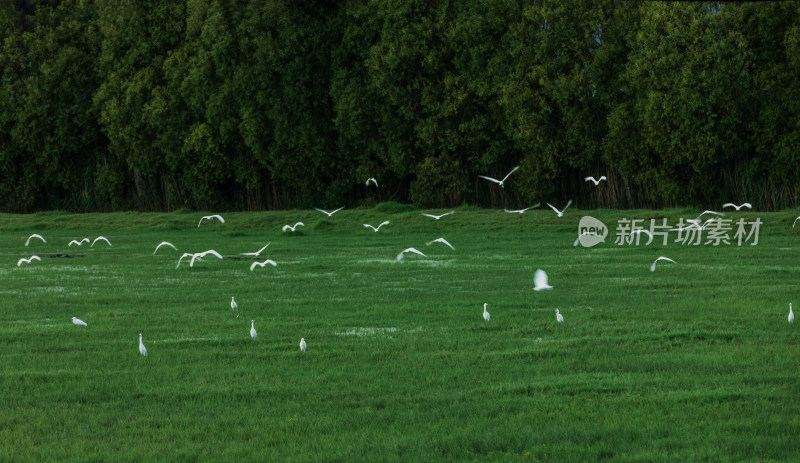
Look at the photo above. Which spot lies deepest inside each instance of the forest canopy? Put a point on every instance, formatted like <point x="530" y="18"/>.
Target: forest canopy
<point x="273" y="104"/>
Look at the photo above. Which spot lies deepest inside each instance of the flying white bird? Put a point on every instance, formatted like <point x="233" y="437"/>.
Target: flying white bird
<point x="371" y="179"/>
<point x="707" y="212"/>
<point x="522" y="211"/>
<point x="329" y="213"/>
<point x="28" y="260"/>
<point x="142" y="350"/>
<point x="79" y="243"/>
<point x="560" y="213"/>
<point x="255" y="254"/>
<point x="303" y="344"/>
<point x="437" y="217"/>
<point x="103" y="238"/>
<point x="791" y="314"/>
<point x="200" y="256"/>
<point x="375" y="229"/>
<point x="289" y="227"/>
<point x="78" y="321"/>
<point x="209" y="217"/>
<point x="253" y="333"/>
<point x="441" y="240"/>
<point x="185" y="254"/>
<point x="747" y="205"/>
<point x="400" y="256"/>
<point x="540" y="281"/>
<point x="695" y="224"/>
<point x="263" y="264"/>
<point x="559" y="317"/>
<point x="164" y="243"/>
<point x="34" y="236"/>
<point x="596" y="182"/>
<point x="795" y="221"/>
<point x="486" y="315"/>
<point x="653" y="267"/>
<point x="499" y="182"/>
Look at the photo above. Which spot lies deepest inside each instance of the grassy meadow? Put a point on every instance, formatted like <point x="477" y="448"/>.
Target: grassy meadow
<point x="693" y="362"/>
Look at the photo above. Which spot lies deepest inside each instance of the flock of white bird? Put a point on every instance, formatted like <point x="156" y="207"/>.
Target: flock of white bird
<point x="540" y="278"/>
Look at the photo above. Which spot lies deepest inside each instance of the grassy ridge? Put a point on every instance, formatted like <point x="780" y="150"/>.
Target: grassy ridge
<point x="692" y="362"/>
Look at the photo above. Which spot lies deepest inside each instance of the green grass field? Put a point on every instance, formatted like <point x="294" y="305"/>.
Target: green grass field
<point x="693" y="362"/>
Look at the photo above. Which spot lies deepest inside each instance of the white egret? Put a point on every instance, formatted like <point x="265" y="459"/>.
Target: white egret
<point x="437" y="217"/>
<point x="164" y="243"/>
<point x="597" y="181"/>
<point x="560" y="213"/>
<point x="707" y="212"/>
<point x="209" y="217"/>
<point x="747" y="205"/>
<point x="791" y="314"/>
<point x="200" y="256"/>
<point x="289" y="227"/>
<point x="486" y="315"/>
<point x="78" y="321"/>
<point x="375" y="229"/>
<point x="34" y="236"/>
<point x="79" y="243"/>
<point x="142" y="349"/>
<point x="440" y="240"/>
<point x="522" y="211"/>
<point x="499" y="182"/>
<point x="101" y="238"/>
<point x="559" y="317"/>
<point x="185" y="254"/>
<point x="234" y="306"/>
<point x="255" y="254"/>
<point x="653" y="267"/>
<point x="400" y="256"/>
<point x="540" y="281"/>
<point x="263" y="264"/>
<point x="372" y="180"/>
<point x="586" y="233"/>
<point x="795" y="221"/>
<point x="303" y="344"/>
<point x="28" y="260"/>
<point x="329" y="213"/>
<point x="253" y="333"/>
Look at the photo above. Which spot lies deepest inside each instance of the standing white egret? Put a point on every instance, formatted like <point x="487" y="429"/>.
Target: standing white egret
<point x="329" y="213"/>
<point x="28" y="260"/>
<point x="400" y="256"/>
<point x="234" y="306"/>
<point x="371" y="180"/>
<point x="303" y="344"/>
<point x="209" y="217"/>
<point x="253" y="333"/>
<point x="486" y="315"/>
<point x="597" y="181"/>
<point x="437" y="217"/>
<point x="34" y="236"/>
<point x="653" y="267"/>
<point x="540" y="281"/>
<point x="522" y="211"/>
<point x="263" y="264"/>
<point x="101" y="238"/>
<point x="559" y="317"/>
<point x="747" y="205"/>
<point x="375" y="229"/>
<point x="142" y="349"/>
<point x="78" y="321"/>
<point x="255" y="254"/>
<point x="560" y="213"/>
<point x="791" y="314"/>
<point x="164" y="243"/>
<point x="289" y="227"/>
<point x="440" y="240"/>
<point x="500" y="182"/>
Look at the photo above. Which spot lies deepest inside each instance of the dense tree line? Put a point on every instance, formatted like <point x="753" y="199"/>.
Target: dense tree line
<point x="208" y="104"/>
